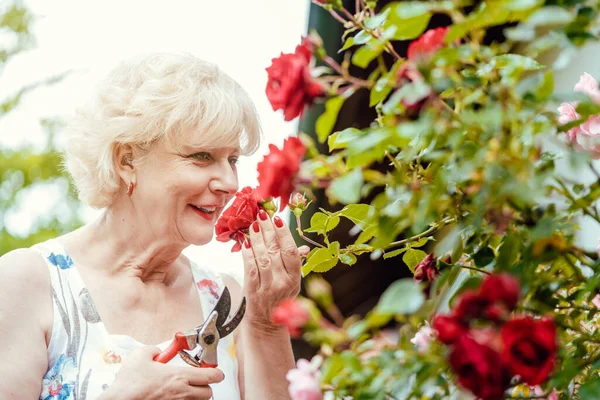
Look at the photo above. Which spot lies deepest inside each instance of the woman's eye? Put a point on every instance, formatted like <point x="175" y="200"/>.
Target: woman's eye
<point x="203" y="156"/>
<point x="233" y="160"/>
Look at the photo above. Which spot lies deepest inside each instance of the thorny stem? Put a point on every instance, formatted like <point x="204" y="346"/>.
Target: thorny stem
<point x="591" y="164"/>
<point x="337" y="17"/>
<point x="372" y="32"/>
<point x="344" y="74"/>
<point x="568" y="194"/>
<point x="429" y="231"/>
<point x="393" y="160"/>
<point x="299" y="229"/>
<point x="475" y="269"/>
<point x="335" y="314"/>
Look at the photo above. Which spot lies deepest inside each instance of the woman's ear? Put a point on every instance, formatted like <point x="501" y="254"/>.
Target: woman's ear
<point x="124" y="163"/>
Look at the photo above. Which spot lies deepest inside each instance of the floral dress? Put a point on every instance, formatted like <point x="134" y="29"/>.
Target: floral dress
<point x="83" y="358"/>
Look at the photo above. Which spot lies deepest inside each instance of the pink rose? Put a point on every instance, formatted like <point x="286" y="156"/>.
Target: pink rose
<point x="568" y="114"/>
<point x="538" y="391"/>
<point x="304" y="381"/>
<point x="589" y="85"/>
<point x="587" y="136"/>
<point x="423" y="338"/>
<point x="596" y="301"/>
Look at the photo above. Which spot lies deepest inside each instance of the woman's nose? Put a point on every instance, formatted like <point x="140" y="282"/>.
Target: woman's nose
<point x="225" y="180"/>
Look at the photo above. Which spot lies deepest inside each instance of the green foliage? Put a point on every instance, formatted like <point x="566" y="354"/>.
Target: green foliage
<point x="467" y="179"/>
<point x="24" y="169"/>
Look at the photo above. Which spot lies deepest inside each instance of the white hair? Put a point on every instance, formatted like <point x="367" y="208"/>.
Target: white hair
<point x="175" y="98"/>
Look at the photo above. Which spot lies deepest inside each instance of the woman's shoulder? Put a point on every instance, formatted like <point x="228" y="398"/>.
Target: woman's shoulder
<point x="24" y="265"/>
<point x="25" y="285"/>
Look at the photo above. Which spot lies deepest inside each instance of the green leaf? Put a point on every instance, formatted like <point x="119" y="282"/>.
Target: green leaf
<point x="413" y="257"/>
<point x="362" y="37"/>
<point x="357" y="213"/>
<point x="512" y="61"/>
<point x="509" y="252"/>
<point x="377" y="20"/>
<point x="421" y="242"/>
<point x="363" y="56"/>
<point x="327" y="120"/>
<point x="519" y="5"/>
<point x="410" y="93"/>
<point x="395" y="253"/>
<point x="402" y="297"/>
<point x="586" y="109"/>
<point x="348" y="258"/>
<point x="349" y="43"/>
<point x="410" y="18"/>
<point x="321" y="260"/>
<point x="347" y="188"/>
<point x="590" y="389"/>
<point x="334" y="248"/>
<point x="322" y="223"/>
<point x="551" y="15"/>
<point x="546" y="87"/>
<point x="340" y="140"/>
<point x="332" y="367"/>
<point x="380" y="91"/>
<point x="483" y="257"/>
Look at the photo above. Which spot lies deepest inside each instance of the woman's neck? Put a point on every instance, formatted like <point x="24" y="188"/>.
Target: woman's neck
<point x="122" y="247"/>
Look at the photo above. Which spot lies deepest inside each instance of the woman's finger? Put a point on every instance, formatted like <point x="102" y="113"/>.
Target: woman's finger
<point x="251" y="273"/>
<point x="303" y="250"/>
<point x="272" y="244"/>
<point x="261" y="256"/>
<point x="289" y="252"/>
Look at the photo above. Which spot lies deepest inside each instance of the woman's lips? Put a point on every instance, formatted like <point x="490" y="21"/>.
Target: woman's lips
<point x="205" y="215"/>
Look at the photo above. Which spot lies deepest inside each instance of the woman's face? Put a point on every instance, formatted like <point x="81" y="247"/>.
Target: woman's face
<point x="181" y="194"/>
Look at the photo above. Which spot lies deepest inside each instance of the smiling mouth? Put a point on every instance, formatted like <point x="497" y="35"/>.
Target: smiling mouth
<point x="210" y="210"/>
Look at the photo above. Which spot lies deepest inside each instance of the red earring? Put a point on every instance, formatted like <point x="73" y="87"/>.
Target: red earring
<point x="130" y="188"/>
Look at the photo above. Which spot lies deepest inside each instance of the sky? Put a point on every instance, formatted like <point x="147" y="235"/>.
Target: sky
<point x="90" y="37"/>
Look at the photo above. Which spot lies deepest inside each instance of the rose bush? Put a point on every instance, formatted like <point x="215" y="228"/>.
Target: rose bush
<point x="470" y="199"/>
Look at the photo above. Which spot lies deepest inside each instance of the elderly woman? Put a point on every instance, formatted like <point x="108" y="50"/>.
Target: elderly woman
<point x="82" y="316"/>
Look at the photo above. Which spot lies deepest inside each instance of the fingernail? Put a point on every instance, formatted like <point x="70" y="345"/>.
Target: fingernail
<point x="262" y="215"/>
<point x="255" y="226"/>
<point x="247" y="243"/>
<point x="278" y="222"/>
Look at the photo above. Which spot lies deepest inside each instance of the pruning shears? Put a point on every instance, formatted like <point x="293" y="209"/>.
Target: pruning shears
<point x="206" y="336"/>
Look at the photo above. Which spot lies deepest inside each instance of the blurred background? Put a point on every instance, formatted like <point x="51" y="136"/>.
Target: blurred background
<point x="53" y="52"/>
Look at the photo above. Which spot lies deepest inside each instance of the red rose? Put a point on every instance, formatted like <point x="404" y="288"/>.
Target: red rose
<point x="529" y="348"/>
<point x="471" y="304"/>
<point x="448" y="329"/>
<point x="238" y="217"/>
<point x="429" y="42"/>
<point x="290" y="313"/>
<point x="277" y="170"/>
<point x="290" y="86"/>
<point x="426" y="270"/>
<point x="477" y="368"/>
<point x="502" y="288"/>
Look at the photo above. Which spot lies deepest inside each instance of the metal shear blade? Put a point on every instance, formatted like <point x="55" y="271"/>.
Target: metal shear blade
<point x="212" y="330"/>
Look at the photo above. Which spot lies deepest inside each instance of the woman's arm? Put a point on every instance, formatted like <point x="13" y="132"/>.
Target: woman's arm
<point x="25" y="304"/>
<point x="264" y="357"/>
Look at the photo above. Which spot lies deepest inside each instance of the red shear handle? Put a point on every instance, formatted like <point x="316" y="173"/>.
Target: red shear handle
<point x="204" y="364"/>
<point x="178" y="344"/>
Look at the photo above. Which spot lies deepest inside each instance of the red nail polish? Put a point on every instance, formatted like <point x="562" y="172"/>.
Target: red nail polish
<point x="247" y="243"/>
<point x="255" y="226"/>
<point x="262" y="215"/>
<point x="278" y="222"/>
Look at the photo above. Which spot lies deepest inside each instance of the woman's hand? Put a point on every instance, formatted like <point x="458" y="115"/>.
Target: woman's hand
<point x="141" y="377"/>
<point x="272" y="269"/>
